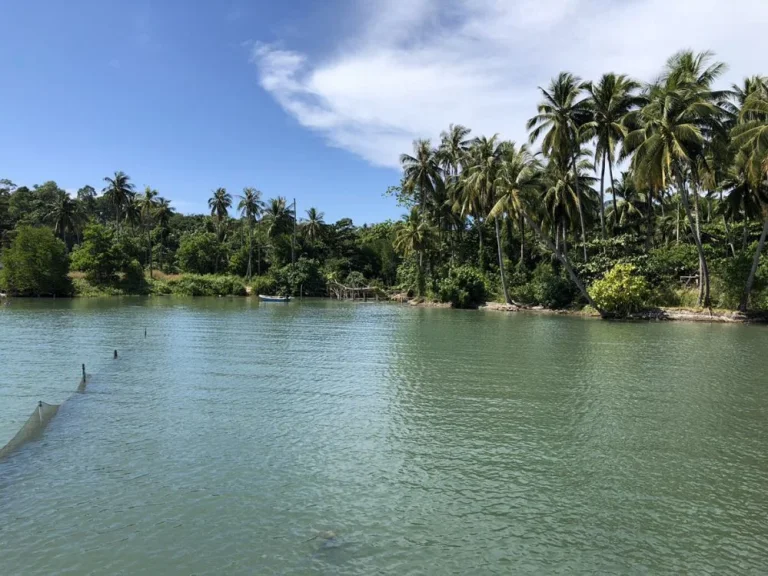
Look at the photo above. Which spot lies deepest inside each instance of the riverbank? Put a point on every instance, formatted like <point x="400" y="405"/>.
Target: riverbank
<point x="658" y="314"/>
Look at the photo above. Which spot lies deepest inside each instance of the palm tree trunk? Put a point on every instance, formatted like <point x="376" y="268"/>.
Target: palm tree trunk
<point x="755" y="262"/>
<point x="602" y="198"/>
<point x="149" y="251"/>
<point x="744" y="232"/>
<point x="649" y="223"/>
<point x="703" y="269"/>
<point x="581" y="212"/>
<point x="522" y="239"/>
<point x="117" y="222"/>
<point x="697" y="213"/>
<point x="501" y="263"/>
<point x="250" y="249"/>
<point x="677" y="225"/>
<point x="613" y="184"/>
<point x="574" y="278"/>
<point x="481" y="253"/>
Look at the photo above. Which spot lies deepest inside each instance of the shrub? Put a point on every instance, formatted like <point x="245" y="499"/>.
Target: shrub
<point x="263" y="285"/>
<point x="355" y="279"/>
<point x="98" y="256"/>
<point x="671" y="262"/>
<point x="621" y="291"/>
<point x="133" y="278"/>
<point x="550" y="288"/>
<point x="196" y="285"/>
<point x="36" y="264"/>
<point x="464" y="287"/>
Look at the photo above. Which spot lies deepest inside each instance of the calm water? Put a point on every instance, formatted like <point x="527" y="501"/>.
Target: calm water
<point x="428" y="441"/>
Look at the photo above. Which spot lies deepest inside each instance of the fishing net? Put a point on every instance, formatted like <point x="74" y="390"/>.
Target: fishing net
<point x="36" y="423"/>
<point x="32" y="428"/>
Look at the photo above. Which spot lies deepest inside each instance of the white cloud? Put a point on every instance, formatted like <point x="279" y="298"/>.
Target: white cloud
<point x="416" y="66"/>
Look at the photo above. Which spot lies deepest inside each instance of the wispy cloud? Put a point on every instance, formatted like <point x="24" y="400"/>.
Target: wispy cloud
<point x="418" y="65"/>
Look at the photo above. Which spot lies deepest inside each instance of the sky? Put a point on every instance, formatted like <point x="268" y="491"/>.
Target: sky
<point x="312" y="100"/>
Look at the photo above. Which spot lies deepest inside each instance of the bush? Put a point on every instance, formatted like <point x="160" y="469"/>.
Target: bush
<point x="355" y="280"/>
<point x="98" y="256"/>
<point x="196" y="285"/>
<point x="133" y="278"/>
<point x="464" y="287"/>
<point x="621" y="291"/>
<point x="667" y="264"/>
<point x="36" y="264"/>
<point x="550" y="288"/>
<point x="263" y="285"/>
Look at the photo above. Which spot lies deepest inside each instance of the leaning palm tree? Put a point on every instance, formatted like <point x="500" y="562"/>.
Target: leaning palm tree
<point x="481" y="180"/>
<point x="562" y="115"/>
<point x="313" y="227"/>
<point x="610" y="100"/>
<point x="250" y="207"/>
<point x="118" y="190"/>
<point x="413" y="237"/>
<point x="420" y="171"/>
<point x="519" y="186"/>
<point x="147" y="207"/>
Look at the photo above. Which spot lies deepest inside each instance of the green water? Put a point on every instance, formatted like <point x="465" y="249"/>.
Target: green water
<point x="429" y="441"/>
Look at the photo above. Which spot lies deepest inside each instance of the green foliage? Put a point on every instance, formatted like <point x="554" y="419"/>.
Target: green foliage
<point x="669" y="263"/>
<point x="465" y="287"/>
<point x="551" y="288"/>
<point x="303" y="277"/>
<point x="621" y="291"/>
<point x="199" y="253"/>
<point x="263" y="285"/>
<point x="729" y="278"/>
<point x="36" y="264"/>
<point x="197" y="285"/>
<point x="98" y="256"/>
<point x="355" y="279"/>
<point x="408" y="277"/>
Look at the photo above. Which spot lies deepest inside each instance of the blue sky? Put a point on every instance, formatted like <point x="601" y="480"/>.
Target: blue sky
<point x="305" y="99"/>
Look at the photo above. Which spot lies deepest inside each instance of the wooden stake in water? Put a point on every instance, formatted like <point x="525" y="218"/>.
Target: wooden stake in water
<point x="115" y="356"/>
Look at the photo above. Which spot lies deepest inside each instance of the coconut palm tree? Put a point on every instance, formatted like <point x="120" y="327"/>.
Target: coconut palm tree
<point x="562" y="115"/>
<point x="118" y="190"/>
<point x="413" y="237"/>
<point x="611" y="99"/>
<point x="220" y="203"/>
<point x="147" y="208"/>
<point x="278" y="216"/>
<point x="250" y="207"/>
<point x="313" y="227"/>
<point x="454" y="144"/>
<point x="519" y="187"/>
<point x="481" y="179"/>
<point x="64" y="215"/>
<point x="680" y="113"/>
<point x="751" y="138"/>
<point x="132" y="211"/>
<point x="420" y="171"/>
<point x="163" y="213"/>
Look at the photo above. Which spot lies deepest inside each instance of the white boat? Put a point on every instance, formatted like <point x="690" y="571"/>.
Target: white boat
<point x="265" y="298"/>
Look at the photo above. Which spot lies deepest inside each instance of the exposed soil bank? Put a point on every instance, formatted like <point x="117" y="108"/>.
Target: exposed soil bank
<point x="659" y="314"/>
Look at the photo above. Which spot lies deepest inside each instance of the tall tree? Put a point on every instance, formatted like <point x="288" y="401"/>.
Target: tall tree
<point x="562" y="114"/>
<point x="481" y="180"/>
<point x="118" y="190"/>
<point x="420" y="171"/>
<point x="610" y="100"/>
<point x="413" y="237"/>
<point x="681" y="111"/>
<point x="65" y="216"/>
<point x="250" y="207"/>
<point x="147" y="208"/>
<point x="313" y="227"/>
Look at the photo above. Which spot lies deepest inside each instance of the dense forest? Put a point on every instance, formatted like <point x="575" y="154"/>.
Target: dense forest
<point x="627" y="196"/>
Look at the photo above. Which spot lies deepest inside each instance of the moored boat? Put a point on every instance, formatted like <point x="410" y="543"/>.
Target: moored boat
<point x="265" y="298"/>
